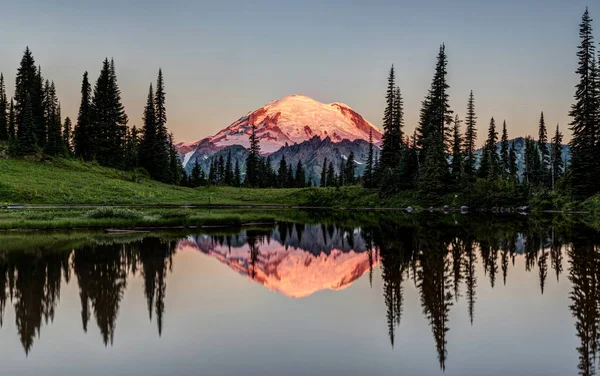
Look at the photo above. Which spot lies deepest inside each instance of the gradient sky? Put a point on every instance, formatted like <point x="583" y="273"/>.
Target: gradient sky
<point x="224" y="58"/>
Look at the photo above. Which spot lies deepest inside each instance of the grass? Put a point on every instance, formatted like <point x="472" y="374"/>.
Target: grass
<point x="58" y="181"/>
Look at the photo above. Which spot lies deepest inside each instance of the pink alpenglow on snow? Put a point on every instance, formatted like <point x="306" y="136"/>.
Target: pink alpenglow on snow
<point x="288" y="270"/>
<point x="294" y="119"/>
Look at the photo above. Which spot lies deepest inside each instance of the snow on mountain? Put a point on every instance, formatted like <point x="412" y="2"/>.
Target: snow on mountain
<point x="290" y="120"/>
<point x="296" y="265"/>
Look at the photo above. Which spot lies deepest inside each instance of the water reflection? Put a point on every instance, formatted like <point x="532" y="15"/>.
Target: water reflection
<point x="445" y="260"/>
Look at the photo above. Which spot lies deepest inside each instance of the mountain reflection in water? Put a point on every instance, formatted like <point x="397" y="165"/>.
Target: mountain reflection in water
<point x="445" y="261"/>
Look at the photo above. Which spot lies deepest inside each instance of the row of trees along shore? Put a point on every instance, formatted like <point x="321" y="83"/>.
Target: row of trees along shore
<point x="438" y="159"/>
<point x="31" y="123"/>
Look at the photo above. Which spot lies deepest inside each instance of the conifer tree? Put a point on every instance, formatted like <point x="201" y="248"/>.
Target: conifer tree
<point x="512" y="162"/>
<point x="324" y="173"/>
<point x="3" y="111"/>
<point x="557" y="164"/>
<point x="331" y="180"/>
<point x="349" y="170"/>
<point x="109" y="121"/>
<point x="26" y="135"/>
<point x="253" y="159"/>
<point x="132" y="149"/>
<point x="195" y="175"/>
<point x="54" y="143"/>
<point x="390" y="142"/>
<point x="544" y="152"/>
<point x="300" y="178"/>
<point x="282" y="173"/>
<point x="161" y="149"/>
<point x="27" y="89"/>
<point x="82" y="135"/>
<point x="490" y="162"/>
<point x="175" y="166"/>
<point x="221" y="169"/>
<point x="433" y="129"/>
<point x="584" y="115"/>
<point x="470" y="136"/>
<point x="456" y="166"/>
<point x="368" y="174"/>
<point x="68" y="136"/>
<point x="504" y="152"/>
<point x="149" y="136"/>
<point x="341" y="180"/>
<point x="237" y="175"/>
<point x="12" y="122"/>
<point x="228" y="170"/>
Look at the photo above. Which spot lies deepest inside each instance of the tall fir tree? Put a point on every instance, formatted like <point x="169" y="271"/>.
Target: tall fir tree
<point x="3" y="110"/>
<point x="584" y="124"/>
<point x="350" y="170"/>
<point x="175" y="166"/>
<point x="493" y="167"/>
<point x="556" y="160"/>
<point x="504" y="152"/>
<point x="12" y="122"/>
<point x="470" y="136"/>
<point x="456" y="167"/>
<point x="109" y="121"/>
<point x="512" y="162"/>
<point x="28" y="88"/>
<point x="368" y="174"/>
<point x="282" y="173"/>
<point x="165" y="169"/>
<point x="228" y="170"/>
<point x="544" y="152"/>
<point x="300" y="178"/>
<point x="324" y="173"/>
<point x="149" y="138"/>
<point x="26" y="135"/>
<point x="253" y="160"/>
<point x="331" y="180"/>
<point x="237" y="175"/>
<point x="436" y="116"/>
<point x="83" y="141"/>
<point x="132" y="149"/>
<point x="53" y="122"/>
<point x="67" y="134"/>
<point x="388" y="149"/>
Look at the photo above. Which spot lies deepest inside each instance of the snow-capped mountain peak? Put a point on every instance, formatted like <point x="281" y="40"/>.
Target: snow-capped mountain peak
<point x="294" y="119"/>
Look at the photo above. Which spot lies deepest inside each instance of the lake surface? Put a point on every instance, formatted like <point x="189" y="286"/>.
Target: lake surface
<point x="389" y="294"/>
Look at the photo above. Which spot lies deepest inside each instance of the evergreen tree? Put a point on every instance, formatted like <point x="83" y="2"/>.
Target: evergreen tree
<point x="12" y="122"/>
<point x="544" y="152"/>
<point x="391" y="125"/>
<point x="149" y="136"/>
<point x="253" y="159"/>
<point x="237" y="175"/>
<point x="175" y="166"/>
<point x="26" y="135"/>
<point x="490" y="162"/>
<point x="300" y="178"/>
<point x="82" y="137"/>
<point x="228" y="170"/>
<point x="433" y="130"/>
<point x="341" y="177"/>
<point x="195" y="176"/>
<point x="109" y="121"/>
<point x="221" y="169"/>
<point x="368" y="174"/>
<point x="504" y="152"/>
<point x="27" y="89"/>
<point x="512" y="162"/>
<point x="456" y="166"/>
<point x="282" y="173"/>
<point x="165" y="169"/>
<point x="324" y="173"/>
<point x="557" y="164"/>
<point x="68" y="136"/>
<point x="3" y="110"/>
<point x="584" y="115"/>
<point x="53" y="121"/>
<point x="331" y="181"/>
<point x="349" y="171"/>
<point x="132" y="149"/>
<point x="470" y="136"/>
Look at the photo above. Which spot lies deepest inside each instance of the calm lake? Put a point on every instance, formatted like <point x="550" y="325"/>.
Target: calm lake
<point x="366" y="294"/>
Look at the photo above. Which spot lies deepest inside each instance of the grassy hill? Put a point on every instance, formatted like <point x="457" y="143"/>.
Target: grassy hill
<point x="60" y="181"/>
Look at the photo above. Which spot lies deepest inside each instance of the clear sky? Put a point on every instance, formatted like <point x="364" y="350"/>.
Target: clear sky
<point x="224" y="58"/>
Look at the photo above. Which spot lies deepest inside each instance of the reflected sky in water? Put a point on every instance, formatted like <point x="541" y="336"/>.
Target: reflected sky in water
<point x="425" y="297"/>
